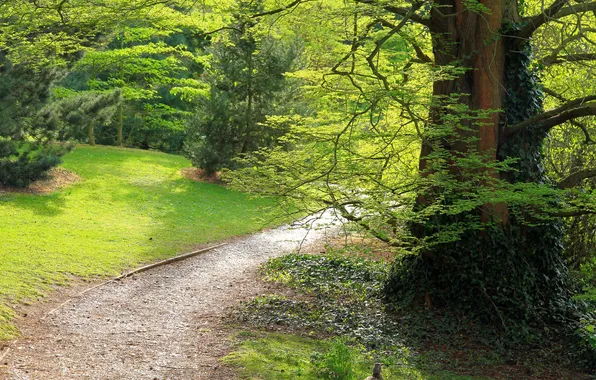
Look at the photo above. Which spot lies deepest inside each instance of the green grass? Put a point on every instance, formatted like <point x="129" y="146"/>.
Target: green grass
<point x="132" y="206"/>
<point x="272" y="356"/>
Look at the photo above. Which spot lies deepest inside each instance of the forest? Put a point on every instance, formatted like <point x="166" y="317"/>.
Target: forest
<point x="454" y="138"/>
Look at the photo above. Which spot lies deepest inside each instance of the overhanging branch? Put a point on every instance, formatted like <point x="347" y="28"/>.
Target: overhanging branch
<point x="362" y="222"/>
<point x="574" y="179"/>
<point x="573" y="109"/>
<point x="553" y="60"/>
<point x="291" y="5"/>
<point x="575" y="123"/>
<point x="556" y="11"/>
<point x="401" y="11"/>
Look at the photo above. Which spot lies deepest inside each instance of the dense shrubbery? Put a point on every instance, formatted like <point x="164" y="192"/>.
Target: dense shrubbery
<point x="21" y="169"/>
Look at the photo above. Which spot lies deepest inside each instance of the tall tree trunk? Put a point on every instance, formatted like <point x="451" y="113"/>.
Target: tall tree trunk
<point x="510" y="272"/>
<point x="467" y="39"/>
<point x="247" y="136"/>
<point x="91" y="132"/>
<point x="120" y="122"/>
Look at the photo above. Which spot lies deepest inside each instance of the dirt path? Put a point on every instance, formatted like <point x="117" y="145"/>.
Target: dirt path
<point x="160" y="324"/>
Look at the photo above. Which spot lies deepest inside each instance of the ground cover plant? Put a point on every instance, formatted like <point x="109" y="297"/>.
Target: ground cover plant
<point x="130" y="206"/>
<point x="339" y="294"/>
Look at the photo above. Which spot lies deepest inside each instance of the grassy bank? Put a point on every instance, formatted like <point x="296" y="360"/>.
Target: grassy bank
<point x="130" y="206"/>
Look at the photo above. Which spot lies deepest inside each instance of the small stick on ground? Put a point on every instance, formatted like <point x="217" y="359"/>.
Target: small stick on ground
<point x="4" y="354"/>
<point x="167" y="261"/>
<point x="138" y="270"/>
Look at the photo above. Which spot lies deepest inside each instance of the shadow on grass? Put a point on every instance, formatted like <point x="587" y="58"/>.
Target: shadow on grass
<point x="182" y="212"/>
<point x="45" y="205"/>
<point x="276" y="356"/>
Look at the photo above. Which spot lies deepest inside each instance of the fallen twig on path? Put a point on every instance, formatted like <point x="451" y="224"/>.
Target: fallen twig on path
<point x="167" y="261"/>
<point x="138" y="270"/>
<point x="4" y="354"/>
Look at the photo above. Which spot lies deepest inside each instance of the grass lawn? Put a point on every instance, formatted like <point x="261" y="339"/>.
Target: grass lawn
<point x="131" y="206"/>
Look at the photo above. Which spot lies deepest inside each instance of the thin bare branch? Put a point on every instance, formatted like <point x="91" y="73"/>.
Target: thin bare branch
<point x="291" y="5"/>
<point x="379" y="43"/>
<point x="401" y="11"/>
<point x="553" y="60"/>
<point x="556" y="11"/>
<point x="420" y="54"/>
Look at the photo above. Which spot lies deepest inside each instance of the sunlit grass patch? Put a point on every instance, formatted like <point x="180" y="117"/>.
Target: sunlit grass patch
<point x="130" y="206"/>
<point x="273" y="356"/>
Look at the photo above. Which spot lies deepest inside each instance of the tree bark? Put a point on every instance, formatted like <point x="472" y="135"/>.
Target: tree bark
<point x="501" y="271"/>
<point x="120" y="122"/>
<point x="91" y="133"/>
<point x="464" y="38"/>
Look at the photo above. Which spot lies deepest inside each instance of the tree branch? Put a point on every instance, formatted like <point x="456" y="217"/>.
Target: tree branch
<point x="547" y="120"/>
<point x="534" y="22"/>
<point x="575" y="123"/>
<point x="293" y="4"/>
<point x="349" y="216"/>
<point x="556" y="11"/>
<point x="567" y="214"/>
<point x="422" y="57"/>
<point x="555" y="59"/>
<point x="379" y="43"/>
<point x="574" y="179"/>
<point x="565" y="43"/>
<point x="401" y="11"/>
<point x="202" y="34"/>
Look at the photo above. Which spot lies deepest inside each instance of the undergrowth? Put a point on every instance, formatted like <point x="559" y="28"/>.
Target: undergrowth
<point x="339" y="295"/>
<point x="328" y="275"/>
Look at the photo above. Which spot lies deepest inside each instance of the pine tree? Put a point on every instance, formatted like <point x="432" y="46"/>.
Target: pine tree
<point x="29" y="133"/>
<point x="247" y="85"/>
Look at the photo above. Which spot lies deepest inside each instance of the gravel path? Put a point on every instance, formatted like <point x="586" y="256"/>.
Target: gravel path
<point x="161" y="324"/>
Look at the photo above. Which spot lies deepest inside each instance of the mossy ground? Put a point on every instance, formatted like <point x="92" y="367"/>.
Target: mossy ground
<point x="131" y="206"/>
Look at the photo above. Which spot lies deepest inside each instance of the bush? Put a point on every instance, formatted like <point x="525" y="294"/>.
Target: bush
<point x="29" y="127"/>
<point x="585" y="342"/>
<point x="22" y="167"/>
